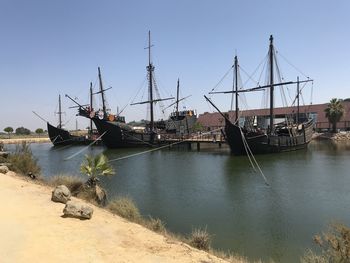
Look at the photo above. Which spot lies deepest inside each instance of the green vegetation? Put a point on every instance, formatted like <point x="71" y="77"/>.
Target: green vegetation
<point x="94" y="167"/>
<point x="198" y="127"/>
<point x="22" y="160"/>
<point x="22" y="131"/>
<point x="334" y="246"/>
<point x="334" y="112"/>
<point x="9" y="130"/>
<point x="39" y="131"/>
<point x="200" y="239"/>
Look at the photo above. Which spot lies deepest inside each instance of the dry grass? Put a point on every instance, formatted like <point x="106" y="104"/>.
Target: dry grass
<point x="23" y="162"/>
<point x="78" y="188"/>
<point x="126" y="208"/>
<point x="334" y="245"/>
<point x="312" y="257"/>
<point x="154" y="224"/>
<point x="200" y="239"/>
<point x="73" y="183"/>
<point x="87" y="194"/>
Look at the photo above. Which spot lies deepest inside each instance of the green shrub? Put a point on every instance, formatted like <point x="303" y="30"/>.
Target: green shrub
<point x="22" y="160"/>
<point x="125" y="208"/>
<point x="200" y="239"/>
<point x="334" y="245"/>
<point x="95" y="166"/>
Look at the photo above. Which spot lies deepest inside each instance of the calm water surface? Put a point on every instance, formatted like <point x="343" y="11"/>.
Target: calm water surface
<point x="188" y="189"/>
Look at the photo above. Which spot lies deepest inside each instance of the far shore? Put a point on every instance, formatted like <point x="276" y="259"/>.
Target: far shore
<point x="25" y="139"/>
<point x="340" y="136"/>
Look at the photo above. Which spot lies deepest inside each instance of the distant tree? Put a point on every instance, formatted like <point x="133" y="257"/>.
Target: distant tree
<point x="8" y="130"/>
<point x="334" y="112"/>
<point x="39" y="131"/>
<point x="22" y="131"/>
<point x="198" y="127"/>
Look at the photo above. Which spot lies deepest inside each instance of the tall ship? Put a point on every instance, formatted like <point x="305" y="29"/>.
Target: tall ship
<point x="110" y="127"/>
<point x="180" y="122"/>
<point x="114" y="132"/>
<point x="292" y="134"/>
<point x="60" y="136"/>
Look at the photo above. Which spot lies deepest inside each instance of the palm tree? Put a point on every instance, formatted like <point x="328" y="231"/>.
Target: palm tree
<point x="334" y="112"/>
<point x="94" y="167"/>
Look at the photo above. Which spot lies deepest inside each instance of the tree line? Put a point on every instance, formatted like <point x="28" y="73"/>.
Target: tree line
<point x="22" y="131"/>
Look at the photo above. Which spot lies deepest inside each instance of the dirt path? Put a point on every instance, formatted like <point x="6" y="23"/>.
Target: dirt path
<point x="32" y="230"/>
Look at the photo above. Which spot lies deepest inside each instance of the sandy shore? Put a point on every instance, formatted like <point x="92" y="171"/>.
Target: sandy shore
<point x="20" y="140"/>
<point x="32" y="229"/>
<point x="340" y="136"/>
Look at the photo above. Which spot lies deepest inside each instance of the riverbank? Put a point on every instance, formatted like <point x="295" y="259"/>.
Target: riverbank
<point x="28" y="140"/>
<point x="340" y="136"/>
<point x="32" y="227"/>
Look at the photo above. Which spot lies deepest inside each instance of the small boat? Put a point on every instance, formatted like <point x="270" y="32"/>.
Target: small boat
<point x="180" y="122"/>
<point x="60" y="136"/>
<point x="290" y="135"/>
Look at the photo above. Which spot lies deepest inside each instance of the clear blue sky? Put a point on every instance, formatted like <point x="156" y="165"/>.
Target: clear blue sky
<point x="54" y="47"/>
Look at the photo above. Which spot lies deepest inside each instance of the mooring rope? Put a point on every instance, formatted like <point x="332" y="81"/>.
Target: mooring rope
<point x="148" y="151"/>
<point x="55" y="138"/>
<point x="249" y="152"/>
<point x="80" y="151"/>
<point x="246" y="149"/>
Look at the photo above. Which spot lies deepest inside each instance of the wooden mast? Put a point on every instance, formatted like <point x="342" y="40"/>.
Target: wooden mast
<point x="150" y="69"/>
<point x="91" y="107"/>
<point x="298" y="90"/>
<point x="102" y="93"/>
<point x="236" y="88"/>
<point x="177" y="98"/>
<point x="59" y="112"/>
<point x="271" y="84"/>
<point x="150" y="101"/>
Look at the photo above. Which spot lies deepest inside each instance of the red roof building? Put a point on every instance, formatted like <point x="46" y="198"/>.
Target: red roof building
<point x="212" y="121"/>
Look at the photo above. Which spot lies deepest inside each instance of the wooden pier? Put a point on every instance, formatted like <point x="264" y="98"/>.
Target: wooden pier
<point x="198" y="141"/>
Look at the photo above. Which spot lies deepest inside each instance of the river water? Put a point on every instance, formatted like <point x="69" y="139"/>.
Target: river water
<point x="308" y="190"/>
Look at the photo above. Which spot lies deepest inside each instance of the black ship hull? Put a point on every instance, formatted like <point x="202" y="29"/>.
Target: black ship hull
<point x="119" y="135"/>
<point x="261" y="143"/>
<point x="59" y="136"/>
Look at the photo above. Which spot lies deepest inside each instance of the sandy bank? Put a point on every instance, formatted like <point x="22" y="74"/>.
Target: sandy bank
<point x="32" y="230"/>
<point x="340" y="136"/>
<point x="20" y="140"/>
